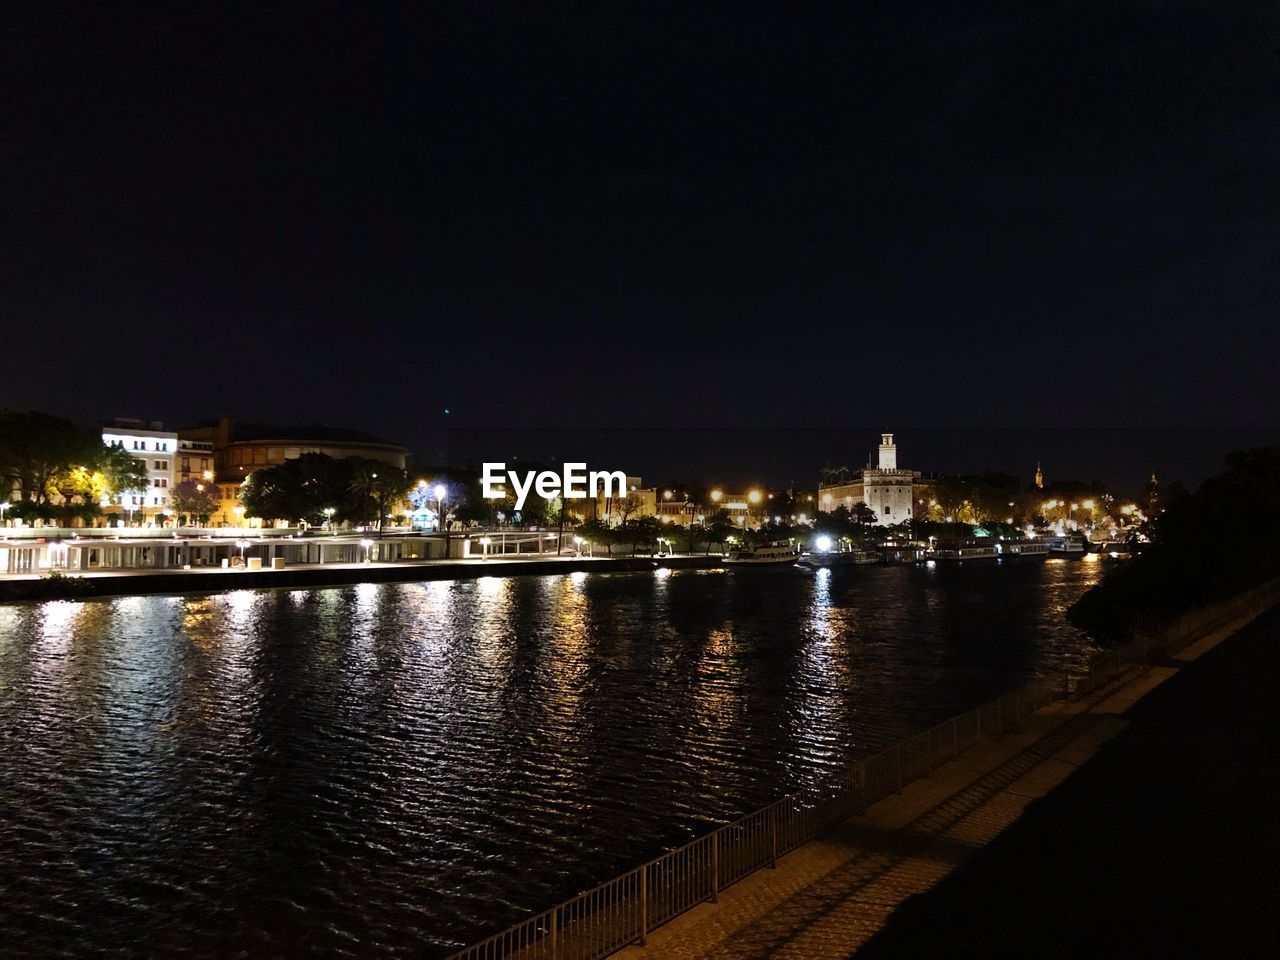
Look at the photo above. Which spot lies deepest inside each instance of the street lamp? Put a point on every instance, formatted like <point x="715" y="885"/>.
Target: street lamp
<point x="716" y="495"/>
<point x="367" y="544"/>
<point x="484" y="548"/>
<point x="754" y="496"/>
<point x="238" y="510"/>
<point x="242" y="544"/>
<point x="328" y="516"/>
<point x="577" y="545"/>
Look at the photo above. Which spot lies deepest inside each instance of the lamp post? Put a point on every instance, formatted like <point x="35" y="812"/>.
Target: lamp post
<point x="484" y="547"/>
<point x="440" y="492"/>
<point x="368" y="546"/>
<point x="238" y="510"/>
<point x="328" y="516"/>
<point x="577" y="545"/>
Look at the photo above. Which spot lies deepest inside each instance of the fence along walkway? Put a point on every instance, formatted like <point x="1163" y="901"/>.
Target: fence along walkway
<point x="622" y="911"/>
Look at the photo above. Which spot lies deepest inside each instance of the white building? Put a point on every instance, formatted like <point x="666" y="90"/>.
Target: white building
<point x="887" y="490"/>
<point x="158" y="450"/>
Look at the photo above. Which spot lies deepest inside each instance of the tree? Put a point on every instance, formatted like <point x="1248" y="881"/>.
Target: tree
<point x="123" y="472"/>
<point x="598" y="533"/>
<point x="625" y="507"/>
<point x="194" y="500"/>
<point x="38" y="450"/>
<point x="1206" y="546"/>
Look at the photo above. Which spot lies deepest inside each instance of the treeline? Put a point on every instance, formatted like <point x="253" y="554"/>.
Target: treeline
<point x="1206" y="546"/>
<point x="56" y="470"/>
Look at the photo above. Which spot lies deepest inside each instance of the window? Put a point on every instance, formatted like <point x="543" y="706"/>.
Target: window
<point x="186" y="464"/>
<point x="886" y="510"/>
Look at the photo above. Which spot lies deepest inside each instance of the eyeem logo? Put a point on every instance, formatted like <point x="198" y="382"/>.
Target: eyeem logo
<point x="575" y="484"/>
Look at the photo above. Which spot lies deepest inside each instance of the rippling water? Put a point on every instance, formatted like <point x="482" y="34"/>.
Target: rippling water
<point x="389" y="770"/>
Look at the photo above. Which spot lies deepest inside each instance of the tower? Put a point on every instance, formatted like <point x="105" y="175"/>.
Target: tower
<point x="1039" y="477"/>
<point x="888" y="452"/>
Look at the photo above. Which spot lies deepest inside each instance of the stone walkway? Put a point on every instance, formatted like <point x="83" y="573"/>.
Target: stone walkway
<point x="830" y="896"/>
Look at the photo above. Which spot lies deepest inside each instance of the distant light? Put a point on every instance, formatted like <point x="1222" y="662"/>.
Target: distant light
<point x="823" y="543"/>
<point x="440" y="491"/>
<point x="754" y="496"/>
<point x="716" y="495"/>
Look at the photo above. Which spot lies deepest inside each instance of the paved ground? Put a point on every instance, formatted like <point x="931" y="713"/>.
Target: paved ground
<point x="1016" y="897"/>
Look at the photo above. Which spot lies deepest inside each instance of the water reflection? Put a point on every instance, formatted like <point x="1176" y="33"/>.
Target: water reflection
<point x="366" y="770"/>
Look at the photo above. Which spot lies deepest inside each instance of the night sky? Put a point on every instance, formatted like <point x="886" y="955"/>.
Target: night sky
<point x="968" y="216"/>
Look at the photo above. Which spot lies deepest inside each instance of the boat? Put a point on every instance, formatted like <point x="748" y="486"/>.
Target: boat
<point x="1065" y="546"/>
<point x="962" y="550"/>
<point x="840" y="558"/>
<point x="778" y="552"/>
<point x="1030" y="549"/>
<point x="1116" y="550"/>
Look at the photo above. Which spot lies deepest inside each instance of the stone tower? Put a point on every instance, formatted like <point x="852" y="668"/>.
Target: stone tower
<point x="888" y="452"/>
<point x="1039" y="477"/>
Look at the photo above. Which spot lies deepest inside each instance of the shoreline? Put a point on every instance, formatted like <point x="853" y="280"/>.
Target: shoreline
<point x="109" y="584"/>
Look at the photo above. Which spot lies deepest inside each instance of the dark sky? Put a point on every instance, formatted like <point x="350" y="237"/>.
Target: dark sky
<point x="963" y="215"/>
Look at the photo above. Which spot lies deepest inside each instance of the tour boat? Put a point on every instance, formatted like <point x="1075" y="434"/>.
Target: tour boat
<point x="962" y="550"/>
<point x="840" y="558"/>
<point x="778" y="552"/>
<point x="1066" y="546"/>
<point x="1030" y="549"/>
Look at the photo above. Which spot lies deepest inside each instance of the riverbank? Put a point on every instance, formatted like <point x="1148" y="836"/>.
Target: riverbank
<point x="16" y="588"/>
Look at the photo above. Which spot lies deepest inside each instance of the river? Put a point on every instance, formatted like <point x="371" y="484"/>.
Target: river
<point x="388" y="770"/>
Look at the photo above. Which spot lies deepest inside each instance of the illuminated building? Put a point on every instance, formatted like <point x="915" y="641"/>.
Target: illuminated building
<point x="148" y="441"/>
<point x="889" y="492"/>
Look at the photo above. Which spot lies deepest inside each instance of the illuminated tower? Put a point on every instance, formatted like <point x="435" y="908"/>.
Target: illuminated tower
<point x="888" y="452"/>
<point x="1039" y="477"/>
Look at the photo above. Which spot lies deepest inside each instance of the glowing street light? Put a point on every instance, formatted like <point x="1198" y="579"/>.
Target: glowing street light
<point x="754" y="496"/>
<point x="238" y="510"/>
<point x="484" y="548"/>
<point x="823" y="543"/>
<point x="328" y="517"/>
<point x="368" y="547"/>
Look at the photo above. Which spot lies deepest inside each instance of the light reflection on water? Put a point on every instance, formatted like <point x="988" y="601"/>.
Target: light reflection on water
<point x="377" y="769"/>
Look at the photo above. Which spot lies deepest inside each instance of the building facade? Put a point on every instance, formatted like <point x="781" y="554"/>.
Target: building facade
<point x="891" y="493"/>
<point x="236" y="449"/>
<point x="157" y="448"/>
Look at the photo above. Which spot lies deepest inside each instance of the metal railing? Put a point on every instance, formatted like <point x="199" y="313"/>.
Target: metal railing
<point x="624" y="910"/>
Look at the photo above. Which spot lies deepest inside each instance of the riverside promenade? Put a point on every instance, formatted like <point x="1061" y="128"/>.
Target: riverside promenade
<point x="77" y="584"/>
<point x="837" y="894"/>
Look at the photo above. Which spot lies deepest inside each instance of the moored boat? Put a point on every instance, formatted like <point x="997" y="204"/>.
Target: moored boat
<point x="840" y="558"/>
<point x="1029" y="549"/>
<point x="778" y="552"/>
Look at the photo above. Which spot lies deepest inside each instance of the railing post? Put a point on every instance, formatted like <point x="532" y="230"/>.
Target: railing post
<point x="715" y="867"/>
<point x="555" y="933"/>
<point x="644" y="905"/>
<point x="773" y="836"/>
